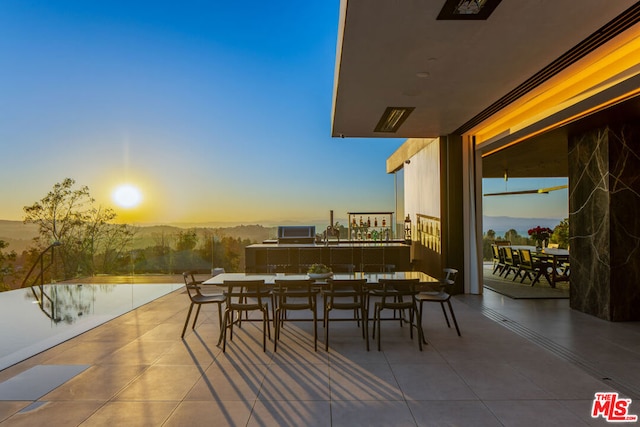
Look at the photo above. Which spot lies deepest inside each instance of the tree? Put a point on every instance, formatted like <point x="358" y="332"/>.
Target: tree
<point x="68" y="215"/>
<point x="561" y="234"/>
<point x="6" y="265"/>
<point x="491" y="235"/>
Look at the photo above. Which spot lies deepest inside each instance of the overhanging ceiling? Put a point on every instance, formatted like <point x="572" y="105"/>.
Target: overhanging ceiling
<point x="397" y="54"/>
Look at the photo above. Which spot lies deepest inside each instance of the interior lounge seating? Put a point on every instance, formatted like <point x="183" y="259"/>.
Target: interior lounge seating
<point x="441" y="296"/>
<point x="294" y="295"/>
<point x="245" y="296"/>
<point x="197" y="298"/>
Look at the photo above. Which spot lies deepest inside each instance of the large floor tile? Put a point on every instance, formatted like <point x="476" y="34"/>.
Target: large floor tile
<point x="291" y="414"/>
<point x="229" y="383"/>
<point x="207" y="414"/>
<point x="453" y="413"/>
<point x="140" y="414"/>
<point x="434" y="381"/>
<point x="100" y="382"/>
<point x="296" y="382"/>
<point x="371" y="414"/>
<point x="363" y="382"/>
<point x="53" y="414"/>
<point x="162" y="382"/>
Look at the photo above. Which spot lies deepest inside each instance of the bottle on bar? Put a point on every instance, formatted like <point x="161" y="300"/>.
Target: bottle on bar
<point x="361" y="223"/>
<point x="384" y="222"/>
<point x="368" y="221"/>
<point x="375" y="221"/>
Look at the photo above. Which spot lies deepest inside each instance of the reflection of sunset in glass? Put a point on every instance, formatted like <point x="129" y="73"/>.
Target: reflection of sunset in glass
<point x="127" y="196"/>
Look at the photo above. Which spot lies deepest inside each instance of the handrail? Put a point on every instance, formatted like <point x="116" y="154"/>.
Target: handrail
<point x="43" y="268"/>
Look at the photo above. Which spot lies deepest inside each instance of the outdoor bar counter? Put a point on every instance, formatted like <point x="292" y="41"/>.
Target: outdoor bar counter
<point x="344" y="256"/>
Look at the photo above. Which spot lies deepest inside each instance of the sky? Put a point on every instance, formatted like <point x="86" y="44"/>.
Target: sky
<point x="215" y="111"/>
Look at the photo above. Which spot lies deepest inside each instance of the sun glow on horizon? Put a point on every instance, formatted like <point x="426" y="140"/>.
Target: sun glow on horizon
<point x="127" y="196"/>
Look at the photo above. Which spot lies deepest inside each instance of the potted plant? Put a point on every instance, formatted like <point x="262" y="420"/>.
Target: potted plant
<point x="540" y="235"/>
<point x="319" y="271"/>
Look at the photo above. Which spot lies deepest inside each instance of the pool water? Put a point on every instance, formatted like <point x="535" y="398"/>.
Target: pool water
<point x="36" y="319"/>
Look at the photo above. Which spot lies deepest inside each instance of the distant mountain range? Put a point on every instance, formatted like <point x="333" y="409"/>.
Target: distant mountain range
<point x="19" y="235"/>
<point x="501" y="224"/>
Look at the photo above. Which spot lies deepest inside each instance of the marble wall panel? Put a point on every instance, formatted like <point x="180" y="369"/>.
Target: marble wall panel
<point x="604" y="202"/>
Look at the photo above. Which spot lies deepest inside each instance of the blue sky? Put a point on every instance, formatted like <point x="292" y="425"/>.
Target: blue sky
<point x="216" y="111"/>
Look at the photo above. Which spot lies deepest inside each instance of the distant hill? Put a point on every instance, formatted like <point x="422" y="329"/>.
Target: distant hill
<point x="501" y="224"/>
<point x="20" y="236"/>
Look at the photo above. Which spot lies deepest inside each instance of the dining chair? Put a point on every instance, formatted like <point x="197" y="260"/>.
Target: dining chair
<point x="244" y="296"/>
<point x="199" y="299"/>
<point x="528" y="267"/>
<point x="510" y="261"/>
<point x="294" y="295"/>
<point x="441" y="296"/>
<point x="346" y="294"/>
<point x="398" y="295"/>
<point x="498" y="259"/>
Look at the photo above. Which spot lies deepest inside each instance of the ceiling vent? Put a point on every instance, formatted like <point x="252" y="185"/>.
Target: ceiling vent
<point x="392" y="119"/>
<point x="468" y="9"/>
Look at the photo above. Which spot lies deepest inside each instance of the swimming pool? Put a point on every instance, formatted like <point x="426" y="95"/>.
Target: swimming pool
<point x="36" y="319"/>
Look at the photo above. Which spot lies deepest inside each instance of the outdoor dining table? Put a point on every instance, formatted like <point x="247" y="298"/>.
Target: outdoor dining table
<point x="551" y="259"/>
<point x="426" y="282"/>
<point x="372" y="278"/>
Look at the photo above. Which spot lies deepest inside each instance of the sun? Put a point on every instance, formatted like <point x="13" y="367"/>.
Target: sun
<point x="127" y="196"/>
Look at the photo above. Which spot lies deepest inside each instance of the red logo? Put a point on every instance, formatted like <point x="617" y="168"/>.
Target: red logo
<point x="612" y="408"/>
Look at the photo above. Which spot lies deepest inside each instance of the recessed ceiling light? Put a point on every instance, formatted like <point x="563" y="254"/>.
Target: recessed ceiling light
<point x="423" y="74"/>
<point x="392" y="118"/>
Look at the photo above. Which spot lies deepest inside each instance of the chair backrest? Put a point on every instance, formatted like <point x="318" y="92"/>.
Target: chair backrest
<point x="295" y="289"/>
<point x="239" y="290"/>
<point x="193" y="288"/>
<point x="496" y="252"/>
<point x="450" y="274"/>
<point x="394" y="288"/>
<point x="345" y="288"/>
<point x="189" y="277"/>
<point x="525" y="258"/>
<point x="508" y="255"/>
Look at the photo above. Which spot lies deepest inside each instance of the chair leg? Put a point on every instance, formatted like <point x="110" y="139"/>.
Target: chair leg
<point x="453" y="316"/>
<point x="195" y="319"/>
<point x="365" y="316"/>
<point x="315" y="328"/>
<point x="418" y="325"/>
<point x="186" y="322"/>
<point x="326" y="329"/>
<point x="276" y="332"/>
<point x="445" y="315"/>
<point x="424" y="341"/>
<point x="223" y="335"/>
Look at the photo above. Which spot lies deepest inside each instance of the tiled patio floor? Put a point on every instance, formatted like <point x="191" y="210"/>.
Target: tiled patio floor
<point x="518" y="363"/>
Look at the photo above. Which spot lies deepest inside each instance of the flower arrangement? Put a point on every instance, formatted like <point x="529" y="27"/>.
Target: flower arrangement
<point x="319" y="269"/>
<point x="540" y="234"/>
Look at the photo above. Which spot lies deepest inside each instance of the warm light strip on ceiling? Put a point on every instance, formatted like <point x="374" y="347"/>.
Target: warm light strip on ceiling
<point x="563" y="122"/>
<point x="563" y="89"/>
